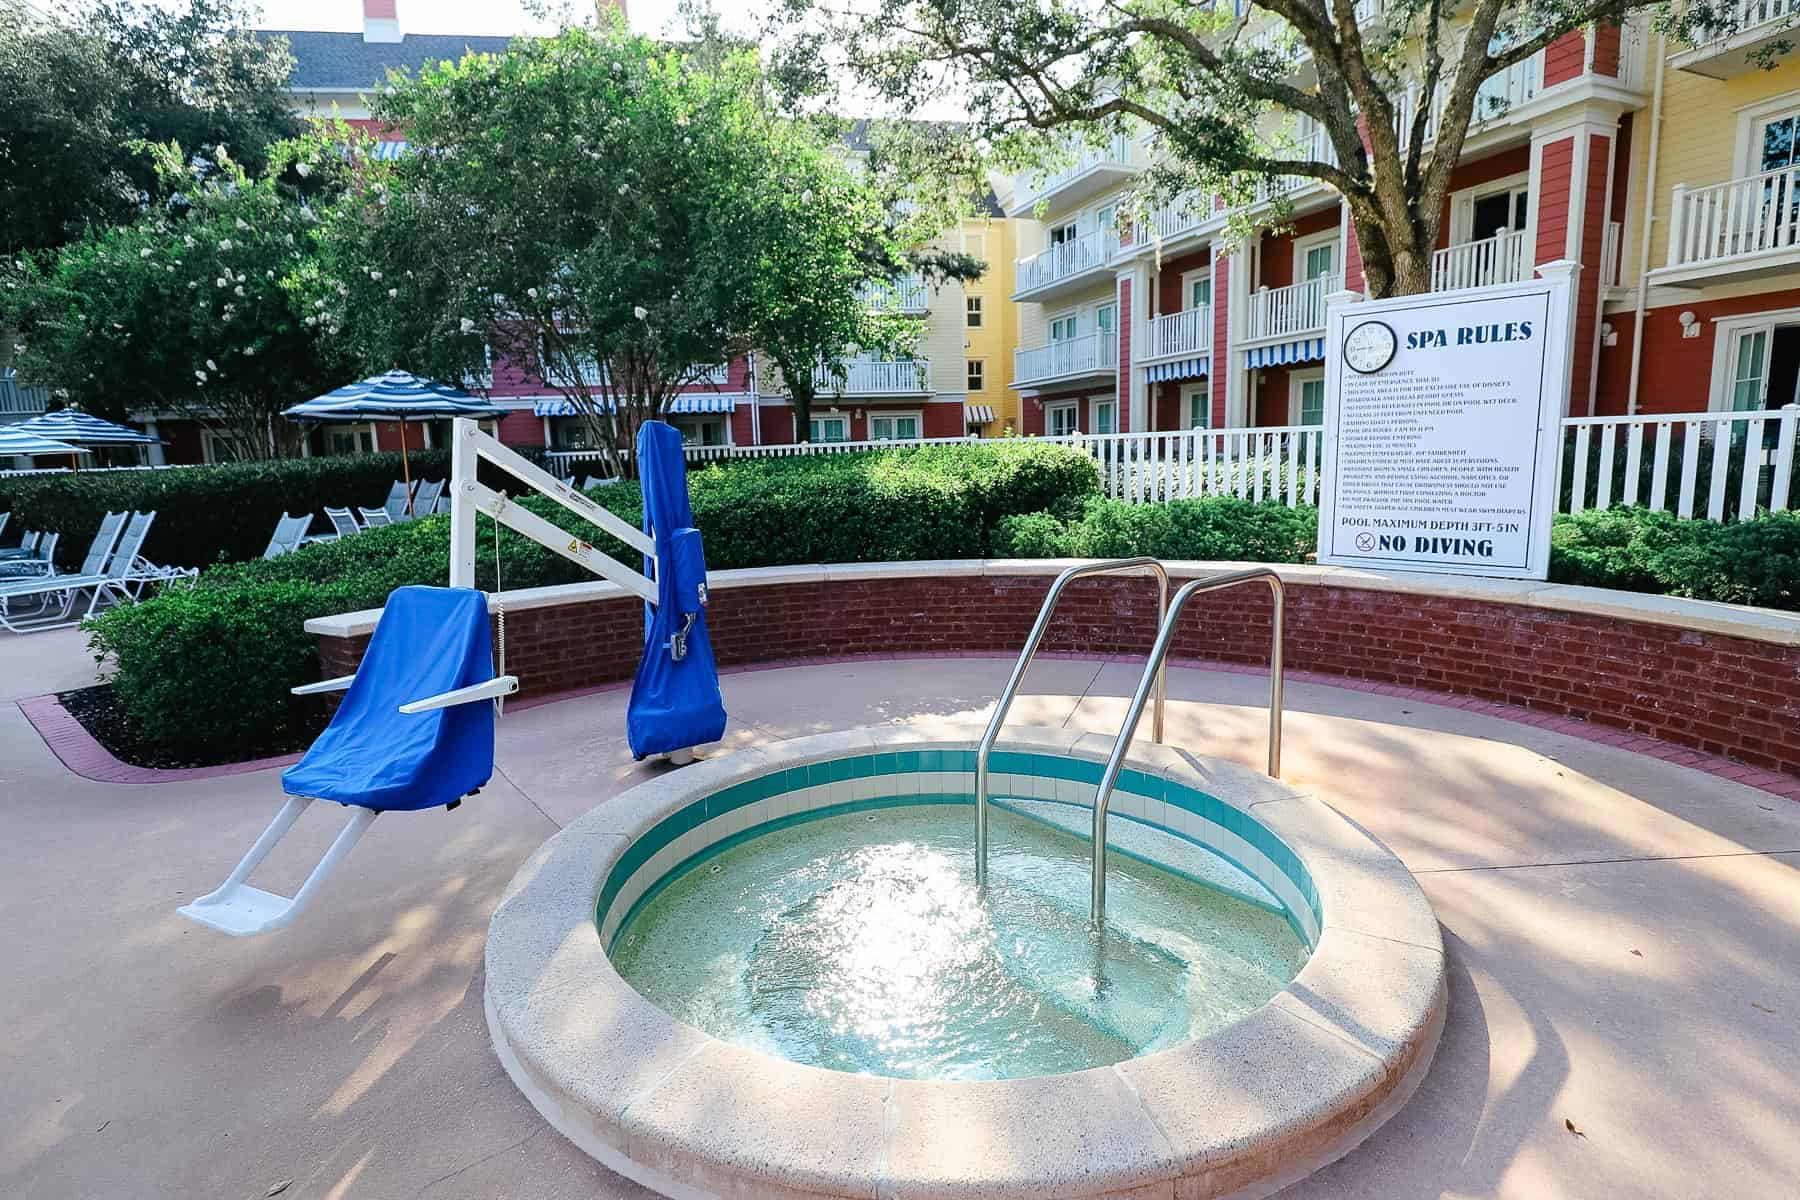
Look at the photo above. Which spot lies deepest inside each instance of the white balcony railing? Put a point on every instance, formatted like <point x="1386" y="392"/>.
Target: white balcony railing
<point x="1517" y="85"/>
<point x="1759" y="214"/>
<point x="877" y="377"/>
<point x="1187" y="332"/>
<point x="1086" y="355"/>
<point x="906" y="294"/>
<point x="1748" y="17"/>
<point x="17" y="401"/>
<point x="1116" y="153"/>
<point x="1065" y="260"/>
<point x="1293" y="311"/>
<point x="1498" y="259"/>
<point x="1169" y="222"/>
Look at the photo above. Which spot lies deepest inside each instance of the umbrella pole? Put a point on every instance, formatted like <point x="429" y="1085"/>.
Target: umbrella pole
<point x="405" y="469"/>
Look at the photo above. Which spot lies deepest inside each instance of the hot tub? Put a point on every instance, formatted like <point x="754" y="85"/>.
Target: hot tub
<point x="771" y="974"/>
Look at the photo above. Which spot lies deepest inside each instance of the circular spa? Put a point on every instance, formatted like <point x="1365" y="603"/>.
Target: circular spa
<point x="774" y="972"/>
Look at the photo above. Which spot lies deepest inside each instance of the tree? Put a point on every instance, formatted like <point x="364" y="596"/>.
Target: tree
<point x="192" y="307"/>
<point x="76" y="96"/>
<point x="1221" y="96"/>
<point x="619" y="215"/>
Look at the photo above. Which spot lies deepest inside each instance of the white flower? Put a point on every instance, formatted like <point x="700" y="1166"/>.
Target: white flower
<point x="146" y="252"/>
<point x="806" y="196"/>
<point x="239" y="289"/>
<point x="532" y="292"/>
<point x="249" y="350"/>
<point x="225" y="245"/>
<point x="393" y="293"/>
<point x="243" y="224"/>
<point x="617" y="66"/>
<point x="303" y="169"/>
<point x="319" y="304"/>
<point x="211" y="365"/>
<point x="200" y="376"/>
<point x="219" y="152"/>
<point x="187" y="239"/>
<point x="221" y="281"/>
<point x="466" y="325"/>
<point x="375" y="275"/>
<point x="311" y="321"/>
<point x="240" y="277"/>
<point x="192" y="284"/>
<point x="640" y="312"/>
<point x="289" y="238"/>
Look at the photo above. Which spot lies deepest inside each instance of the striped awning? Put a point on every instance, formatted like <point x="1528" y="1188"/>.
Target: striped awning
<point x="393" y="396"/>
<point x="83" y="429"/>
<point x="388" y="151"/>
<point x="1298" y="350"/>
<point x="1185" y="368"/>
<point x="980" y="414"/>
<point x="697" y="402"/>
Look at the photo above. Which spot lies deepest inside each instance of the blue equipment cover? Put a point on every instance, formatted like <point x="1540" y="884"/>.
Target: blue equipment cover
<point x="675" y="700"/>
<point x="429" y="640"/>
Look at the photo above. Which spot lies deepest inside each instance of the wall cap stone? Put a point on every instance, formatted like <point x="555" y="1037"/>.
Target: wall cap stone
<point x="1702" y="616"/>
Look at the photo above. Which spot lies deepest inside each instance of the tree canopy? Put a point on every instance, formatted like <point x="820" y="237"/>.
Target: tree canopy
<point x="1231" y="101"/>
<point x="619" y="215"/>
<point x="191" y="308"/>
<point x="76" y="95"/>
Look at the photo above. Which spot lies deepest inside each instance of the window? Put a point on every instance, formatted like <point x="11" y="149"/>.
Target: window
<point x="1106" y="221"/>
<point x="973" y="306"/>
<point x="700" y="431"/>
<point x="1199" y="408"/>
<point x="1066" y="232"/>
<point x="834" y="427"/>
<point x="349" y="440"/>
<point x="1059" y="419"/>
<point x="899" y="427"/>
<point x="1306" y="398"/>
<point x="1063" y="328"/>
<point x="1197" y="288"/>
<point x="977" y="375"/>
<point x="1106" y="416"/>
<point x="1104" y="320"/>
<point x="1498" y="212"/>
<point x="569" y="433"/>
<point x="1315" y="256"/>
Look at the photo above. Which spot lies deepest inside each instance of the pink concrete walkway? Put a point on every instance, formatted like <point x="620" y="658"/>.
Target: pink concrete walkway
<point x="1623" y="936"/>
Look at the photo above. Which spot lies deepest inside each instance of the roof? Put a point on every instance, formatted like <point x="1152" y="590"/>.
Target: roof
<point x="345" y="62"/>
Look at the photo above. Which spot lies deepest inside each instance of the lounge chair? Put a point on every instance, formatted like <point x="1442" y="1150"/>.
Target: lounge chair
<point x="58" y="595"/>
<point x="343" y="524"/>
<point x="410" y="734"/>
<point x="426" y="498"/>
<point x="141" y="572"/>
<point x="373" y="518"/>
<point x="4" y="518"/>
<point x="290" y="532"/>
<point x="395" y="504"/>
<point x="36" y="555"/>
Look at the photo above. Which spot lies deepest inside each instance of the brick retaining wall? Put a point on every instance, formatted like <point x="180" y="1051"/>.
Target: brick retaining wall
<point x="1725" y="695"/>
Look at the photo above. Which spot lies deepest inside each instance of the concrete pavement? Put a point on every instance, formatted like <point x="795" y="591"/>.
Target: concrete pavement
<point x="147" y="1057"/>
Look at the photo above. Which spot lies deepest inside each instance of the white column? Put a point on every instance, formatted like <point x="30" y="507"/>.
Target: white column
<point x="1236" y="376"/>
<point x="157" y="459"/>
<point x="463" y="460"/>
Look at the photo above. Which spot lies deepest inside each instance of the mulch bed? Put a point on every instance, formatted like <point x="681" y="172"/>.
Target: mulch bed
<point x="98" y="710"/>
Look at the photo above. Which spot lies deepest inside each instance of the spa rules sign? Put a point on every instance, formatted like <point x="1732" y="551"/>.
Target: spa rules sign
<point x="1442" y="416"/>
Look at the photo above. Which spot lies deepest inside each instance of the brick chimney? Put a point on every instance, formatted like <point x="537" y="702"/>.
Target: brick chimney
<point x="381" y="21"/>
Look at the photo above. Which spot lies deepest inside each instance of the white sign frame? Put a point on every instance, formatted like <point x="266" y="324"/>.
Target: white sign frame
<point x="1554" y="369"/>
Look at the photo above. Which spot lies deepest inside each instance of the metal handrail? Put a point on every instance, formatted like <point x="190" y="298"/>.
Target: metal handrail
<point x="1109" y="567"/>
<point x="1165" y="634"/>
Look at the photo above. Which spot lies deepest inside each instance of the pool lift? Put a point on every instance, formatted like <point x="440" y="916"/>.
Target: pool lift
<point x="412" y="731"/>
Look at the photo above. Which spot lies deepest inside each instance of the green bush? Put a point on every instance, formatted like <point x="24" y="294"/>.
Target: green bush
<point x="212" y="663"/>
<point x="1216" y="527"/>
<point x="1633" y="549"/>
<point x="209" y="514"/>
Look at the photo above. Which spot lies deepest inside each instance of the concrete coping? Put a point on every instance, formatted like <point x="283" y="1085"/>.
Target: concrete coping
<point x="1703" y="616"/>
<point x="1242" y="1111"/>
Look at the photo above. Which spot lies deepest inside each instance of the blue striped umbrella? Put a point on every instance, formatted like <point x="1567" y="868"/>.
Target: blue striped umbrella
<point x="84" y="429"/>
<point x="14" y="440"/>
<point x="394" y="396"/>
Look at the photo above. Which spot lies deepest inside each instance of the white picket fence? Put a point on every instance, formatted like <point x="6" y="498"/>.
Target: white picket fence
<point x="1716" y="465"/>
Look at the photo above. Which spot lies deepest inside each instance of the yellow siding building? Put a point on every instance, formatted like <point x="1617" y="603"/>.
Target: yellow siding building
<point x="991" y="324"/>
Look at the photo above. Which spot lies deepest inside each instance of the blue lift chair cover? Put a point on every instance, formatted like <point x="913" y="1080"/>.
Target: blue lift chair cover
<point x="675" y="700"/>
<point x="429" y="640"/>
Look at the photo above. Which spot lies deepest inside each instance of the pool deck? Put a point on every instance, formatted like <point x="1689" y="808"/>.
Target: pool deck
<point x="1623" y="937"/>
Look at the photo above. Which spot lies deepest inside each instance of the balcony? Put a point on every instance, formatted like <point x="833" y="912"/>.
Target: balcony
<point x="1499" y="95"/>
<point x="866" y="376"/>
<point x="1175" y="334"/>
<point x="1295" y="311"/>
<point x="1093" y="170"/>
<point x="1170" y="223"/>
<point x="1071" y="358"/>
<point x="1740" y="229"/>
<point x="1754" y="25"/>
<point x="1502" y="258"/>
<point x="907" y="294"/>
<point x="1064" y="266"/>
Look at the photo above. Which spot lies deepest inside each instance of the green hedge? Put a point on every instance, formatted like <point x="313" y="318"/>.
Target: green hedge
<point x="198" y="666"/>
<point x="208" y="514"/>
<point x="1635" y="550"/>
<point x="1218" y="527"/>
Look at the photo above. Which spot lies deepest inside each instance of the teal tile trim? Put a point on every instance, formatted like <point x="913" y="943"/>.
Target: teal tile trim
<point x="1047" y="766"/>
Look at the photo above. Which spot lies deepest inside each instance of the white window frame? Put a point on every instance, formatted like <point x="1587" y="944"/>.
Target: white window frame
<point x="1725" y="333"/>
<point x="1104" y="402"/>
<point x="1746" y="154"/>
<point x="1067" y="314"/>
<point x="840" y="418"/>
<point x="898" y="414"/>
<point x="978" y="311"/>
<point x="1100" y="306"/>
<point x="1188" y="396"/>
<point x="1052" y="408"/>
<point x="1312" y="241"/>
<point x="697" y="422"/>
<point x="973" y="367"/>
<point x="1297" y="380"/>
<point x="1462" y="205"/>
<point x="1188" y="280"/>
